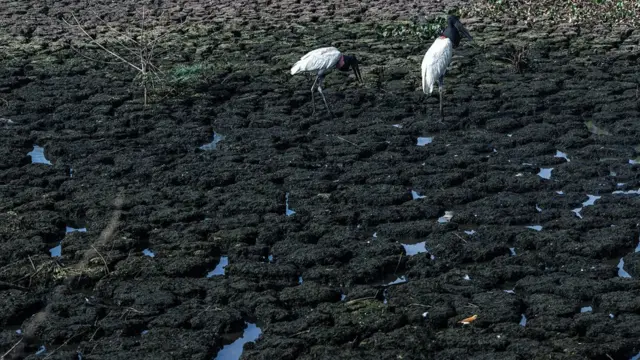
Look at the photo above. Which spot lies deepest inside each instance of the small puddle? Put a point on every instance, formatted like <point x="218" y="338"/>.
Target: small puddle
<point x="545" y="173"/>
<point x="589" y="202"/>
<point x="621" y="271"/>
<point x="469" y="232"/>
<point x="70" y="229"/>
<point x="513" y="251"/>
<point x="144" y="332"/>
<point x="523" y="320"/>
<point x="56" y="251"/>
<point x="400" y="280"/>
<point x="219" y="270"/>
<point x="634" y="162"/>
<point x="214" y="142"/>
<point x="415" y="249"/>
<point x="635" y="357"/>
<point x="535" y="227"/>
<point x="148" y="253"/>
<point x="41" y="351"/>
<point x="446" y="217"/>
<point x="560" y="192"/>
<point x="37" y="156"/>
<point x="577" y="212"/>
<point x="586" y="309"/>
<point x="270" y="258"/>
<point x="233" y="351"/>
<point x="422" y="141"/>
<point x="416" y="196"/>
<point x="538" y="208"/>
<point x="560" y="154"/>
<point x="399" y="126"/>
<point x="300" y="281"/>
<point x="629" y="192"/>
<point x="288" y="211"/>
<point x="466" y="277"/>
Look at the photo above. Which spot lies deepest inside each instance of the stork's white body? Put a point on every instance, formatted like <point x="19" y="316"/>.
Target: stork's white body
<point x="320" y="60"/>
<point x="435" y="63"/>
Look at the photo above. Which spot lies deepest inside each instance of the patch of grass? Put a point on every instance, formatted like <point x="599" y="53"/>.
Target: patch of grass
<point x="583" y="12"/>
<point x="411" y="30"/>
<point x="189" y="74"/>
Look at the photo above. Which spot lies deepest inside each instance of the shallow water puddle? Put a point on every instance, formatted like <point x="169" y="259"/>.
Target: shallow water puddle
<point x="621" y="271"/>
<point x="399" y="126"/>
<point x="233" y="351"/>
<point x="637" y="249"/>
<point x="630" y="192"/>
<point x="589" y="202"/>
<point x="577" y="212"/>
<point x="300" y="281"/>
<point x="41" y="351"/>
<point x="148" y="253"/>
<point x="288" y="211"/>
<point x="416" y="196"/>
<point x="634" y="161"/>
<point x="446" y="217"/>
<point x="539" y="209"/>
<point x="523" y="320"/>
<point x="545" y="173"/>
<point x="56" y="251"/>
<point x="585" y="309"/>
<point x="399" y="280"/>
<point x="70" y="229"/>
<point x="560" y="154"/>
<point x="635" y="357"/>
<point x="513" y="251"/>
<point x="144" y="332"/>
<point x="535" y="227"/>
<point x="422" y="141"/>
<point x="37" y="156"/>
<point x="214" y="142"/>
<point x="270" y="258"/>
<point x="469" y="232"/>
<point x="560" y="192"/>
<point x="415" y="249"/>
<point x="466" y="277"/>
<point x="219" y="270"/>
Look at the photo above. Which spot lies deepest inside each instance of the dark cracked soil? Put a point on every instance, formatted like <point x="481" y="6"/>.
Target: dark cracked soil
<point x="139" y="181"/>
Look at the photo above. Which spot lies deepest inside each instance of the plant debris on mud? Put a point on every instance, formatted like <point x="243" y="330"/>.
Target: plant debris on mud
<point x="221" y="215"/>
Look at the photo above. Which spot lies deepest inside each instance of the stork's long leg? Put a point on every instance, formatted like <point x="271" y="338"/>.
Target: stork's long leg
<point x="440" y="91"/>
<point x="313" y="99"/>
<point x="323" y="98"/>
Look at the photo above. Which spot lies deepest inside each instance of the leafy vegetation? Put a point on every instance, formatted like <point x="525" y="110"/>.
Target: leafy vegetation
<point x="412" y="30"/>
<point x="591" y="12"/>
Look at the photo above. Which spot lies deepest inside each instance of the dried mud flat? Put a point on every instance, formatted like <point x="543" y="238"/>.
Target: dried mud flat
<point x="316" y="282"/>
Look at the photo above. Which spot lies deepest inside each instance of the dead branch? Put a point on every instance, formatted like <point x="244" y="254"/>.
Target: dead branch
<point x="10" y="350"/>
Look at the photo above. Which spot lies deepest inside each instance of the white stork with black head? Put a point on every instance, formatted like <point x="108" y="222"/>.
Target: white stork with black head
<point x="438" y="57"/>
<point x="322" y="61"/>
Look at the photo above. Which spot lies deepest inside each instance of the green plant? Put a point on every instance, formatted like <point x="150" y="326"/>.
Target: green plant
<point x="411" y="30"/>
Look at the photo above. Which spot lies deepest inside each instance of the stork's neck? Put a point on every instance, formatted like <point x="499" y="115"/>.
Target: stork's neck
<point x="340" y="62"/>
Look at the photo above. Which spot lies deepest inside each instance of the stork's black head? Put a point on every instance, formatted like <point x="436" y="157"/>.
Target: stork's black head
<point x="454" y="29"/>
<point x="351" y="62"/>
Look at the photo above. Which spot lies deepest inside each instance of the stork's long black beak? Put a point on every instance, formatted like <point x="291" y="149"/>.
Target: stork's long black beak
<point x="462" y="30"/>
<point x="356" y="72"/>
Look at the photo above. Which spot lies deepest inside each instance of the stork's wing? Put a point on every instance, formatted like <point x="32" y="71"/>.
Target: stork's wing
<point x="435" y="62"/>
<point x="318" y="59"/>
